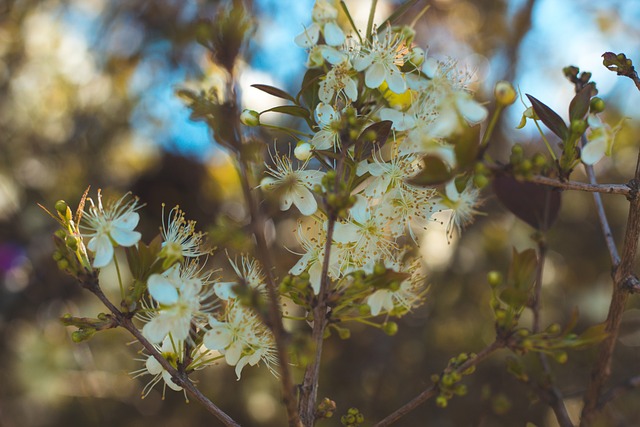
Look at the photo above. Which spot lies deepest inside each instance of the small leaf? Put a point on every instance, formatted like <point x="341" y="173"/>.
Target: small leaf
<point x="466" y="148"/>
<point x="522" y="272"/>
<point x="579" y="106"/>
<point x="515" y="298"/>
<point x="309" y="88"/>
<point x="400" y="10"/>
<point x="365" y="145"/>
<point x="537" y="205"/>
<point x="293" y="110"/>
<point x="279" y="93"/>
<point x="435" y="172"/>
<point x="550" y="118"/>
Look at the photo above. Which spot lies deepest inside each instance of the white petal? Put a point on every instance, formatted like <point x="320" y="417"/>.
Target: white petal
<point x="430" y="67"/>
<point x="240" y="365"/>
<point x="285" y="202"/>
<point x="360" y="210"/>
<point x="374" y="76"/>
<point x="469" y="109"/>
<point x="127" y="221"/>
<point x="325" y="91"/>
<point x="233" y="353"/>
<point x="332" y="55"/>
<point x="416" y="82"/>
<point x="325" y="114"/>
<point x="103" y="248"/>
<point x="304" y="201"/>
<point x="217" y="338"/>
<point x="315" y="276"/>
<point x="309" y="37"/>
<point x="401" y="121"/>
<point x="224" y="290"/>
<point x="162" y="290"/>
<point x="378" y="300"/>
<point x="333" y="34"/>
<point x="351" y="89"/>
<point x="301" y="265"/>
<point x="593" y="151"/>
<point x="166" y="376"/>
<point x="362" y="62"/>
<point x="346" y="233"/>
<point x="124" y="237"/>
<point x="153" y="366"/>
<point x="396" y="82"/>
<point x="156" y="329"/>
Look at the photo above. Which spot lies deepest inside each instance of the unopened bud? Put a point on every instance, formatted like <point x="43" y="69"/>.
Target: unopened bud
<point x="250" y="118"/>
<point x="417" y="56"/>
<point x="597" y="105"/>
<point x="390" y="328"/>
<point x="505" y="93"/>
<point x="303" y="151"/>
<point x="578" y="126"/>
<point x="61" y="207"/>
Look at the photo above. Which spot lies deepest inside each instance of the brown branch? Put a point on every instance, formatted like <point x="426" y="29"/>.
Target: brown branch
<point x="622" y="277"/>
<point x="274" y="316"/>
<point x="179" y="377"/>
<point x="630" y="384"/>
<point x="433" y="390"/>
<point x="592" y="187"/>
<point x="547" y="392"/>
<point x="602" y="216"/>
<point x="310" y="382"/>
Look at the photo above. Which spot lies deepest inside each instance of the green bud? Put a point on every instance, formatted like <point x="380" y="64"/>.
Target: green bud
<point x="561" y="357"/>
<point x="460" y="389"/>
<point x="480" y="181"/>
<point x="63" y="264"/>
<point x="539" y="160"/>
<point x="82" y="334"/>
<point x="526" y="165"/>
<point x="578" y="126"/>
<point x="597" y="105"/>
<point x="554" y="328"/>
<point x="72" y="242"/>
<point x="250" y="118"/>
<point x="441" y="401"/>
<point x="61" y="207"/>
<point x="344" y="333"/>
<point x="390" y="328"/>
<point x="505" y="93"/>
<point x="57" y="255"/>
<point x="494" y="278"/>
<point x="60" y="233"/>
<point x="379" y="269"/>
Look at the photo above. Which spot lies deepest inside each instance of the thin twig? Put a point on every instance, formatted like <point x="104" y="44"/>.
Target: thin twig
<point x="548" y="392"/>
<point x="179" y="377"/>
<point x="602" y="217"/>
<point x="310" y="382"/>
<point x="622" y="276"/>
<point x="275" y="316"/>
<point x="592" y="187"/>
<point x="617" y="391"/>
<point x="433" y="390"/>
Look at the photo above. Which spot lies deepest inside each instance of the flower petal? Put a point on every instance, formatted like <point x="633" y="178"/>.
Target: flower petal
<point x="374" y="76"/>
<point x="309" y="37"/>
<point x="162" y="290"/>
<point x="125" y="237"/>
<point x="103" y="248"/>
<point x="333" y="34"/>
<point x="304" y="200"/>
<point x="396" y="82"/>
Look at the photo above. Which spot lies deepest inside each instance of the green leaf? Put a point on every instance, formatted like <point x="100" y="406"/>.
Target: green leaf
<point x="522" y="272"/>
<point x="579" y="106"/>
<point x="292" y="110"/>
<point x="309" y="88"/>
<point x="435" y="172"/>
<point x="400" y="10"/>
<point x="593" y="335"/>
<point x="466" y="148"/>
<point x="365" y="143"/>
<point x="516" y="298"/>
<point x="550" y="118"/>
<point x="279" y="93"/>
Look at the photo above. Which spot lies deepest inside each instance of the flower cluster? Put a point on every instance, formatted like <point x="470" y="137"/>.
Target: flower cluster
<point x="425" y="105"/>
<point x="187" y="313"/>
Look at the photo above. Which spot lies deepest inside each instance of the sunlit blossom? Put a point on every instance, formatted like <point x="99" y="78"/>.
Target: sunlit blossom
<point x="110" y="226"/>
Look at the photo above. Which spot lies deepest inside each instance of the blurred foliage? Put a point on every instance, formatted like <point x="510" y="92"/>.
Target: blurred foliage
<point x="78" y="83"/>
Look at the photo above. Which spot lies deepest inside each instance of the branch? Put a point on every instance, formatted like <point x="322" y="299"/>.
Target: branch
<point x="622" y="278"/>
<point x="178" y="376"/>
<point x="433" y="390"/>
<point x="274" y="316"/>
<point x="310" y="382"/>
<point x="548" y="392"/>
<point x="592" y="187"/>
<point x="617" y="391"/>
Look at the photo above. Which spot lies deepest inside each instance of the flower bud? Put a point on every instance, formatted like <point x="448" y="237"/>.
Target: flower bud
<point x="61" y="207"/>
<point x="250" y="118"/>
<point x="417" y="56"/>
<point x="390" y="328"/>
<point x="505" y="93"/>
<point x="578" y="126"/>
<point x="597" y="105"/>
<point x="303" y="151"/>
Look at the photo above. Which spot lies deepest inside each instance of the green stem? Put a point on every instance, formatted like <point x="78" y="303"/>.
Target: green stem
<point x="546" y="142"/>
<point x="115" y="261"/>
<point x="372" y="12"/>
<point x="492" y="125"/>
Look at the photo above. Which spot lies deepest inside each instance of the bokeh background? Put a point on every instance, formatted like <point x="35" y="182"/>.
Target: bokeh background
<point x="87" y="97"/>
